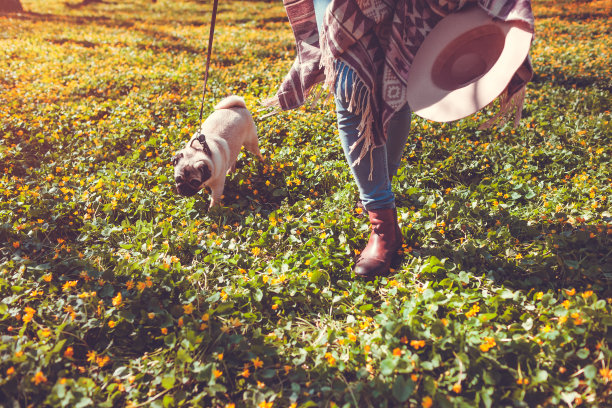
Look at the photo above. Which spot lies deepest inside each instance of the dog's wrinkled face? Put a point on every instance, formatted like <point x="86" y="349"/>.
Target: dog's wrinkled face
<point x="192" y="166"/>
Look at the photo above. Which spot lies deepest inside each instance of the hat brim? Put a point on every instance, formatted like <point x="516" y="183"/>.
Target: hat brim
<point x="429" y="100"/>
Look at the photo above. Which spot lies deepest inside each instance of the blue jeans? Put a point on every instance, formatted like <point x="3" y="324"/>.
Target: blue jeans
<point x="376" y="193"/>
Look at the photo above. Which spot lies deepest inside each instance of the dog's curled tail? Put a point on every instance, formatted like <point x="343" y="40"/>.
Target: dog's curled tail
<point x="232" y="101"/>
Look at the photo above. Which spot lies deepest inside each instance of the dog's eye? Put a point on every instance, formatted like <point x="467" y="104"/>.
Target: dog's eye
<point x="195" y="183"/>
<point x="175" y="159"/>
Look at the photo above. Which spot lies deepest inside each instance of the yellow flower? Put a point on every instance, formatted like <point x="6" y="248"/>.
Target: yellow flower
<point x="265" y="404"/>
<point x="473" y="311"/>
<point x="488" y="344"/>
<point x="112" y="323"/>
<point x="39" y="378"/>
<point x="587" y="294"/>
<point x="457" y="388"/>
<point x="68" y="285"/>
<point x="417" y="344"/>
<point x="330" y="359"/>
<point x="91" y="356"/>
<point x="606" y="374"/>
<point x="118" y="300"/>
<point x="257" y="363"/>
<point x="102" y="361"/>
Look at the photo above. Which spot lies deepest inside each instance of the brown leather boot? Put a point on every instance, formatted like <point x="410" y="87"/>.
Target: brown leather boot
<point x="385" y="241"/>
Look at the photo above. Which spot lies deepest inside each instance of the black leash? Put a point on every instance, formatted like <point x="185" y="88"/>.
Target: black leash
<point x="210" y="43"/>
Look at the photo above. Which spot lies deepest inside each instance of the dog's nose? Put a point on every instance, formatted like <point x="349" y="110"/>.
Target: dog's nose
<point x="186" y="190"/>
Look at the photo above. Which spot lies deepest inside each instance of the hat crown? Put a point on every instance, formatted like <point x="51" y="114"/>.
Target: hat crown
<point x="468" y="57"/>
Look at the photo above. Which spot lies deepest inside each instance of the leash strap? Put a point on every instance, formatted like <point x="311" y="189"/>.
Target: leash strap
<point x="210" y="43"/>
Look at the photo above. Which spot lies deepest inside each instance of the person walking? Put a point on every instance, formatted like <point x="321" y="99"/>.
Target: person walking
<point x="363" y="50"/>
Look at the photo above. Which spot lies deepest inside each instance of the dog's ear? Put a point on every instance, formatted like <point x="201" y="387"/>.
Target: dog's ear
<point x="199" y="143"/>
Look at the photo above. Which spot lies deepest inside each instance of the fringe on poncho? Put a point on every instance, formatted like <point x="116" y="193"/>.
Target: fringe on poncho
<point x="378" y="40"/>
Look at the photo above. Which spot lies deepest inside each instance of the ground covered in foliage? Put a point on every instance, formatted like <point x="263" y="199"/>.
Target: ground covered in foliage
<point x="114" y="291"/>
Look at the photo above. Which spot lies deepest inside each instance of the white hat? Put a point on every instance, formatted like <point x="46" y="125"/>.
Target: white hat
<point x="464" y="63"/>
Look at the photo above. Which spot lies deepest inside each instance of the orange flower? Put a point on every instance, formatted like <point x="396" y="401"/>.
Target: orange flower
<point x="39" y="378"/>
<point x="69" y="352"/>
<point x="427" y="402"/>
<point x="112" y="323"/>
<point x="606" y="374"/>
<point x="188" y="309"/>
<point x="417" y="344"/>
<point x="488" y="344"/>
<point x="10" y="371"/>
<point x="68" y="285"/>
<point x="570" y="292"/>
<point x="257" y="363"/>
<point x="397" y="351"/>
<point x="457" y="388"/>
<point x="217" y="373"/>
<point x="102" y="361"/>
<point x="330" y="359"/>
<point x="164" y="330"/>
<point x="245" y="373"/>
<point x="118" y="300"/>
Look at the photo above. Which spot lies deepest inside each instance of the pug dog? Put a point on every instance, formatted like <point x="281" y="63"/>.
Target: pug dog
<point x="212" y="151"/>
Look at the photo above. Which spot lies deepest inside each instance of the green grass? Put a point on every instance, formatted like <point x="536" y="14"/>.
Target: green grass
<point x="114" y="291"/>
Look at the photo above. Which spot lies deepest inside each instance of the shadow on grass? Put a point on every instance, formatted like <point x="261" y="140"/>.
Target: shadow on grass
<point x="566" y="255"/>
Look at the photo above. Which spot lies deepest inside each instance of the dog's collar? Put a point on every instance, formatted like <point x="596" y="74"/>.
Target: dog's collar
<point x="201" y="138"/>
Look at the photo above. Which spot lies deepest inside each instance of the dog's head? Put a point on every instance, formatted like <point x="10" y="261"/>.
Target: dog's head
<point x="193" y="165"/>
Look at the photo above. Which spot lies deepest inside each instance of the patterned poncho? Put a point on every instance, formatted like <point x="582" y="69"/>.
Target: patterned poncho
<point x="378" y="39"/>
